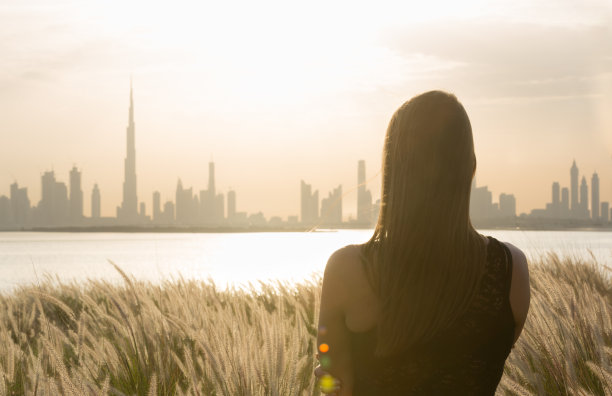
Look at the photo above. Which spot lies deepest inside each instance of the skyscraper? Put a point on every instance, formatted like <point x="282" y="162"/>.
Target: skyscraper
<point x="168" y="215"/>
<point x="212" y="205"/>
<point x="574" y="187"/>
<point x="129" y="207"/>
<point x="5" y="211"/>
<point x="186" y="207"/>
<point x="555" y="194"/>
<point x="595" y="197"/>
<point x="45" y="206"/>
<point x="310" y="204"/>
<point x="54" y="207"/>
<point x="219" y="208"/>
<point x="95" y="202"/>
<point x="211" y="180"/>
<point x="20" y="204"/>
<point x="584" y="199"/>
<point x="564" y="202"/>
<point x="605" y="208"/>
<point x="331" y="207"/>
<point x="507" y="205"/>
<point x="481" y="203"/>
<point x="555" y="205"/>
<point x="156" y="206"/>
<point x="364" y="197"/>
<point x="76" y="195"/>
<point x="231" y="204"/>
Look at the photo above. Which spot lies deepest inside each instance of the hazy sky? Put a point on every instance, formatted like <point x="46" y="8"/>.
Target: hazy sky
<point x="279" y="91"/>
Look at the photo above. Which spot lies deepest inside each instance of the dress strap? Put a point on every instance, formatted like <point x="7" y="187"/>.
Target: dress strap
<point x="508" y="270"/>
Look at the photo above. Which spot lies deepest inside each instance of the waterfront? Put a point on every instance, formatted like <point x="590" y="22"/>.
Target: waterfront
<point x="226" y="258"/>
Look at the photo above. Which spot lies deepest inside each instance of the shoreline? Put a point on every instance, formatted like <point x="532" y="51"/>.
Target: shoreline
<point x="272" y="229"/>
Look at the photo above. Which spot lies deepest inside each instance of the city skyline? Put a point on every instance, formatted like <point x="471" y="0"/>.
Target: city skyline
<point x="130" y="208"/>
<point x="537" y="88"/>
<point x="62" y="205"/>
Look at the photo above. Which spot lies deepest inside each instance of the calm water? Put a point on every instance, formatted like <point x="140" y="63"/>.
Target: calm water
<point x="226" y="258"/>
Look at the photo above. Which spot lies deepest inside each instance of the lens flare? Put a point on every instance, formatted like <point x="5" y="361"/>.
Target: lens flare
<point x="327" y="384"/>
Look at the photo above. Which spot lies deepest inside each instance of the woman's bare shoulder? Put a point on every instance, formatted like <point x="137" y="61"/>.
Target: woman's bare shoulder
<point x="519" y="287"/>
<point x="344" y="270"/>
<point x="344" y="260"/>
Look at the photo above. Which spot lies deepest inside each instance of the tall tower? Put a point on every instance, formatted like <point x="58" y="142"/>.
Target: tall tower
<point x="564" y="201"/>
<point x="555" y="206"/>
<point x="574" y="187"/>
<point x="76" y="195"/>
<point x="156" y="206"/>
<point x="584" y="199"/>
<point x="309" y="204"/>
<point x="129" y="206"/>
<point x="555" y="194"/>
<point x="595" y="197"/>
<point x="95" y="202"/>
<point x="211" y="180"/>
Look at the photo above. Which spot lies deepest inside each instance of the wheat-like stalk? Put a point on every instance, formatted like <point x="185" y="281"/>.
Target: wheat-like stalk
<point x="194" y="338"/>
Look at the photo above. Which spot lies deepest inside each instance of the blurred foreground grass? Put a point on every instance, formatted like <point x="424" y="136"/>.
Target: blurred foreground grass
<point x="188" y="337"/>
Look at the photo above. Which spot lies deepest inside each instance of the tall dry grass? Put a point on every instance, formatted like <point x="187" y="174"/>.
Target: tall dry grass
<point x="188" y="337"/>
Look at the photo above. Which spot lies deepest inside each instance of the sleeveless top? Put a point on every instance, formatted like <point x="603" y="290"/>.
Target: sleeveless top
<point x="465" y="359"/>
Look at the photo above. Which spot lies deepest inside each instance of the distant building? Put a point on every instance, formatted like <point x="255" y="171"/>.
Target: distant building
<point x="605" y="212"/>
<point x="574" y="187"/>
<point x="481" y="203"/>
<point x="76" y="196"/>
<point x="95" y="202"/>
<point x="143" y="210"/>
<point x="156" y="206"/>
<point x="212" y="208"/>
<point x="186" y="205"/>
<point x="231" y="204"/>
<point x="168" y="214"/>
<point x="556" y="204"/>
<point x="507" y="205"/>
<point x="555" y="194"/>
<point x="128" y="211"/>
<point x="331" y="208"/>
<point x="584" y="200"/>
<point x="565" y="211"/>
<point x="257" y="220"/>
<point x="219" y="212"/>
<point x="364" y="196"/>
<point x="309" y="204"/>
<point x="5" y="212"/>
<point x="595" y="197"/>
<point x="20" y="204"/>
<point x="54" y="207"/>
<point x="240" y="219"/>
<point x="275" y="221"/>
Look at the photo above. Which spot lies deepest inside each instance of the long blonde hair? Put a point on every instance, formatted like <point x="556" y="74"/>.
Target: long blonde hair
<point x="425" y="259"/>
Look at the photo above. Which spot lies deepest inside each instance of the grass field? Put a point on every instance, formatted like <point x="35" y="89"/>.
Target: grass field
<point x="189" y="337"/>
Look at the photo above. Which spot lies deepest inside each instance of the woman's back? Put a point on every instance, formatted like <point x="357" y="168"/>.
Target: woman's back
<point x="466" y="358"/>
<point x="441" y="303"/>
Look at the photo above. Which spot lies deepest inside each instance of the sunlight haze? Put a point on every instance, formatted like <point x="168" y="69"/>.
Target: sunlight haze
<point x="275" y="92"/>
